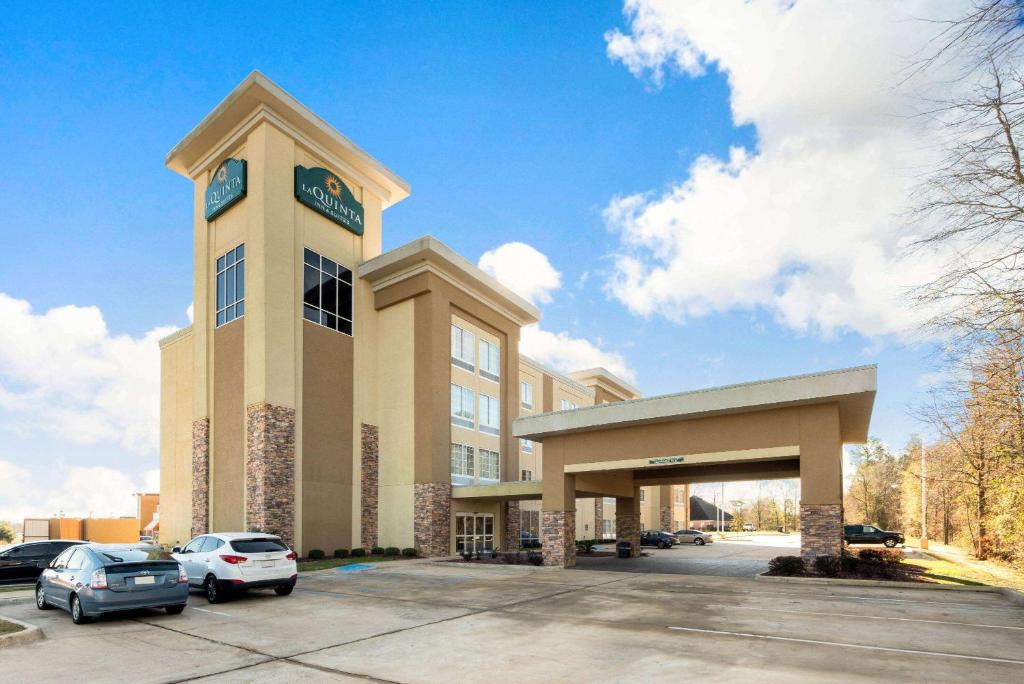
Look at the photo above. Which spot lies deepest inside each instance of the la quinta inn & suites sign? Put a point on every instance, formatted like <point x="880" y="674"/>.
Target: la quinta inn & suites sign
<point x="226" y="188"/>
<point x="325" y="193"/>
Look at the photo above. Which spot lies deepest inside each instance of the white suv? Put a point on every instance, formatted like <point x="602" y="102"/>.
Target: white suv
<point x="223" y="562"/>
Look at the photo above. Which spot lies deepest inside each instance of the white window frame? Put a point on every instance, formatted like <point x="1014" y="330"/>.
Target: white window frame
<point x="526" y="394"/>
<point x="527" y="475"/>
<point x="526" y="446"/>
<point x="490" y="361"/>
<point x="490" y="415"/>
<point x="462" y="457"/>
<point x="568" y="405"/>
<point x="227" y="311"/>
<point x="485" y="468"/>
<point x="463" y="345"/>
<point x="463" y="406"/>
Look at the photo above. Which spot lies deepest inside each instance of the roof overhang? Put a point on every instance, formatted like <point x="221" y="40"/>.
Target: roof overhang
<point x="853" y="389"/>
<point x="608" y="381"/>
<point x="257" y="99"/>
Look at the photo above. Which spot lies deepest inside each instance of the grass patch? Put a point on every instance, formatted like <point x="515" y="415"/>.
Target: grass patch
<point x="9" y="627"/>
<point x="326" y="563"/>
<point x="944" y="572"/>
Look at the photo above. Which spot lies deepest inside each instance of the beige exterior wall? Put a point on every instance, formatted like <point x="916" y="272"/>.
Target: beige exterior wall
<point x="481" y="386"/>
<point x="176" y="401"/>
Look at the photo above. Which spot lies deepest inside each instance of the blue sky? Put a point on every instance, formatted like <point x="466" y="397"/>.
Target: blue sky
<point x="512" y="122"/>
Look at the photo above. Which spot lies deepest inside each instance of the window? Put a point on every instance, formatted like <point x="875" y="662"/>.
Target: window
<point x="231" y="285"/>
<point x="529" y="529"/>
<point x="212" y="544"/>
<point x="526" y="395"/>
<point x="609" y="501"/>
<point x="641" y="494"/>
<point x="194" y="545"/>
<point x="258" y="545"/>
<point x="58" y="562"/>
<point x="490" y="361"/>
<point x="489" y="465"/>
<point x="568" y="405"/>
<point x="462" y="460"/>
<point x="679" y="495"/>
<point x="490" y="415"/>
<point x="607" y="529"/>
<point x="327" y="292"/>
<point x="527" y="476"/>
<point x="462" y="406"/>
<point x="526" y="446"/>
<point x="77" y="560"/>
<point x="462" y="348"/>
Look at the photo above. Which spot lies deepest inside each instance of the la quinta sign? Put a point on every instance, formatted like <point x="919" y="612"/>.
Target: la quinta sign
<point x="226" y="187"/>
<point x="325" y="193"/>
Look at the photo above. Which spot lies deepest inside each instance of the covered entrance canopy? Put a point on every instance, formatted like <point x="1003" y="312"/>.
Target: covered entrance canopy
<point x="782" y="428"/>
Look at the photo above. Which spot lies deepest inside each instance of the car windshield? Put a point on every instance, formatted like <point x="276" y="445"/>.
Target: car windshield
<point x="131" y="555"/>
<point x="258" y="545"/>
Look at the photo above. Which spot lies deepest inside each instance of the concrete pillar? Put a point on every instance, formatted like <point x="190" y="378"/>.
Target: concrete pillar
<point x="558" y="510"/>
<point x="821" y="482"/>
<point x="627" y="520"/>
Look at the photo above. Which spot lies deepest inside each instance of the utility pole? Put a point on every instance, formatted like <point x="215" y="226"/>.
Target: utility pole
<point x="924" y="500"/>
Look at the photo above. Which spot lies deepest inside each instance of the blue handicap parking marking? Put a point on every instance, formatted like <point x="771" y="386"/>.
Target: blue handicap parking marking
<point x="355" y="567"/>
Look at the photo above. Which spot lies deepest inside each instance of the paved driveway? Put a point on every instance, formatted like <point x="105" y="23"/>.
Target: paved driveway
<point x="742" y="556"/>
<point x="434" y="622"/>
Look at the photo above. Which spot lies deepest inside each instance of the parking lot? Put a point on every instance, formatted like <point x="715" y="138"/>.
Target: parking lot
<point x="741" y="556"/>
<point x="426" y="622"/>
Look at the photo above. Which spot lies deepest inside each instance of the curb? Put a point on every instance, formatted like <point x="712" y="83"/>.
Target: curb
<point x="890" y="584"/>
<point x="1012" y="595"/>
<point x="28" y="634"/>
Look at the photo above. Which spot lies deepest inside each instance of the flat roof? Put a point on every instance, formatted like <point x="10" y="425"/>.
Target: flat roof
<point x="852" y="388"/>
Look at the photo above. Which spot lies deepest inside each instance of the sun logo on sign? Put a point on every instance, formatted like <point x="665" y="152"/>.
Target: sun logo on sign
<point x="333" y="185"/>
<point x="222" y="174"/>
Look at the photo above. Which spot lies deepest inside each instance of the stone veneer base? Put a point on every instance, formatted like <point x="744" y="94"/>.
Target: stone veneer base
<point x="432" y="505"/>
<point x="666" y="519"/>
<point x="821" y="530"/>
<point x="200" y="476"/>
<point x="558" y="536"/>
<point x="270" y="470"/>
<point x="511" y="539"/>
<point x="627" y="528"/>
<point x="369" y="490"/>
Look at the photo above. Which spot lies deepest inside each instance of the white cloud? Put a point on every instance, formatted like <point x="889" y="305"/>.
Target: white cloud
<point x="75" y="491"/>
<point x="522" y="269"/>
<point x="807" y="225"/>
<point x="62" y="373"/>
<point x="565" y="353"/>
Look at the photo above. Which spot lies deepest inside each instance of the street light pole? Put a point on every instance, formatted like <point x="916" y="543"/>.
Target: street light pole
<point x="924" y="507"/>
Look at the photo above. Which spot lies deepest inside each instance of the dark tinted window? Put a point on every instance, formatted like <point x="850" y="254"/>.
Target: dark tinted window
<point x="258" y="545"/>
<point x="327" y="292"/>
<point x="212" y="544"/>
<point x="113" y="555"/>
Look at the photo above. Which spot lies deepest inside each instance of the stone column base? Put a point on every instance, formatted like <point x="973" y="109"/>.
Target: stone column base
<point x="627" y="528"/>
<point x="270" y="470"/>
<point x="558" y="536"/>
<point x="666" y="519"/>
<point x="599" y="517"/>
<point x="821" y="531"/>
<point x="510" y="540"/>
<point x="432" y="506"/>
<point x="200" y="476"/>
<point x="368" y="489"/>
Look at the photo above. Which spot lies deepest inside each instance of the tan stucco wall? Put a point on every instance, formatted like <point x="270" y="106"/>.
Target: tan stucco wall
<point x="227" y="432"/>
<point x="176" y="399"/>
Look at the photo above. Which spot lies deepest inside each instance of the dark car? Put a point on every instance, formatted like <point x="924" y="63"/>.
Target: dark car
<point x="25" y="562"/>
<point x="91" y="579"/>
<point x="662" y="540"/>
<point x="869" y="534"/>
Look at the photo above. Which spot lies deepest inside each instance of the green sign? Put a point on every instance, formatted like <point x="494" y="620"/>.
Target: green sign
<point x="323" y="192"/>
<point x="226" y="188"/>
<point x="666" y="460"/>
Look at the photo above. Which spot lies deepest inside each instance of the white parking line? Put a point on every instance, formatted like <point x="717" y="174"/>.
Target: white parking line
<point x="846" y="645"/>
<point x="209" y="611"/>
<point x="866" y="617"/>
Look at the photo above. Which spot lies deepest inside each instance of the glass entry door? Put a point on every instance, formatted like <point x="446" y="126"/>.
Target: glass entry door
<point x="474" y="532"/>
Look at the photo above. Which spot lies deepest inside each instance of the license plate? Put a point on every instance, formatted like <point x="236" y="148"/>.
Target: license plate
<point x="145" y="580"/>
<point x="266" y="564"/>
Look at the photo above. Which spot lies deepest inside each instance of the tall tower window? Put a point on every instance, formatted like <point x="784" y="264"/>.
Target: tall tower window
<point x="231" y="285"/>
<point x="327" y="293"/>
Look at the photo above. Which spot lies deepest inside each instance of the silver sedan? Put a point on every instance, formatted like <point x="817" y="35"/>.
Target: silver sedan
<point x="694" y="537"/>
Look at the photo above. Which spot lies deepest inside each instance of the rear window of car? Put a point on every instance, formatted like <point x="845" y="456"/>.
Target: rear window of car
<point x="131" y="555"/>
<point x="258" y="545"/>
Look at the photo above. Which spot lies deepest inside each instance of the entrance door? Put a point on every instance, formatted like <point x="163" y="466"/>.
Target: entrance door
<point x="474" y="532"/>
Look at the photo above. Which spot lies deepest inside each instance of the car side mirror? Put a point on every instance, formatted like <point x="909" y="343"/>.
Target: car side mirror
<point x="176" y="549"/>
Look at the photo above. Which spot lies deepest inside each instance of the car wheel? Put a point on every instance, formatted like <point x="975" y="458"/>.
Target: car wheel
<point x="698" y="541"/>
<point x="213" y="590"/>
<point x="890" y="542"/>
<point x="662" y="545"/>
<point x="284" y="589"/>
<point x="77" y="616"/>
<point x="175" y="610"/>
<point x="41" y="603"/>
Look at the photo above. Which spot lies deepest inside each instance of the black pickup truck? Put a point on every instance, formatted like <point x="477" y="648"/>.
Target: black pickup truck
<point x="869" y="534"/>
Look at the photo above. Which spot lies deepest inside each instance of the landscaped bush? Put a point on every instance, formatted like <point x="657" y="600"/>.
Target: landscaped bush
<point x="392" y="551"/>
<point x="587" y="545"/>
<point x="881" y="564"/>
<point x="829" y="566"/>
<point x="358" y="553"/>
<point x="316" y="554"/>
<point x="410" y="552"/>
<point x="341" y="553"/>
<point x="786" y="565"/>
<point x="377" y="551"/>
<point x="535" y="558"/>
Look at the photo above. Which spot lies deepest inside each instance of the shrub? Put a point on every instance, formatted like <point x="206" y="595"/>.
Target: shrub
<point x="535" y="558"/>
<point x="392" y="551"/>
<point x="586" y="545"/>
<point x="377" y="551"/>
<point x="467" y="556"/>
<point x="884" y="564"/>
<point x="409" y="552"/>
<point x="829" y="566"/>
<point x="358" y="553"/>
<point x="786" y="565"/>
<point x="316" y="554"/>
<point x="341" y="553"/>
